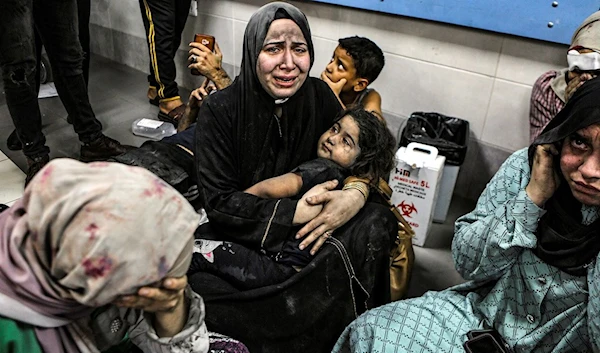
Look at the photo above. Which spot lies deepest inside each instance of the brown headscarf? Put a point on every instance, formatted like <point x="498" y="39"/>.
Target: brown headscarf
<point x="82" y="235"/>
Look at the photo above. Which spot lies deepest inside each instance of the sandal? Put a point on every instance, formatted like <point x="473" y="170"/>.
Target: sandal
<point x="173" y="116"/>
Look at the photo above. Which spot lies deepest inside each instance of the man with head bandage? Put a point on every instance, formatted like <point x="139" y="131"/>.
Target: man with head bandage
<point x="554" y="88"/>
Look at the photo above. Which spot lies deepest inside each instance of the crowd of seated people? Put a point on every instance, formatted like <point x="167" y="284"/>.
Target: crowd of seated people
<point x="260" y="225"/>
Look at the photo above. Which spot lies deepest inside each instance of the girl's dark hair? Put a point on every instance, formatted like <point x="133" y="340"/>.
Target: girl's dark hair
<point x="377" y="145"/>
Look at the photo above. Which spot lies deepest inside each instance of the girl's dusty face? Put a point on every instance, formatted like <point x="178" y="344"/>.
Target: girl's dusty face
<point x="580" y="164"/>
<point x="340" y="142"/>
<point x="284" y="61"/>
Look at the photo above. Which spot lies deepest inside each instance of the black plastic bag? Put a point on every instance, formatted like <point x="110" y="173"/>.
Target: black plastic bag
<point x="449" y="135"/>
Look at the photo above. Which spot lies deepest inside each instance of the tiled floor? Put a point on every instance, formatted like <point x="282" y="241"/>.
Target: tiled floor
<point x="118" y="96"/>
<point x="12" y="181"/>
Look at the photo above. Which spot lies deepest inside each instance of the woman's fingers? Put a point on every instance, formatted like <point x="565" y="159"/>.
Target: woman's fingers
<point x="325" y="196"/>
<point x="163" y="298"/>
<point x="314" y="235"/>
<point x="199" y="47"/>
<point x="320" y="240"/>
<point x="576" y="81"/>
<point x="157" y="294"/>
<point x="175" y="283"/>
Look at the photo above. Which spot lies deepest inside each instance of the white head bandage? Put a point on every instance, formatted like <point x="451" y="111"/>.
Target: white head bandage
<point x="583" y="62"/>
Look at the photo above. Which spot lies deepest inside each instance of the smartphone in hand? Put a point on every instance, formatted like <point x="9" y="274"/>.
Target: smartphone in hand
<point x="206" y="40"/>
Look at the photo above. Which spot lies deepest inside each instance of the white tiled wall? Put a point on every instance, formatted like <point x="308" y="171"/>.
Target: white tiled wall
<point x="476" y="75"/>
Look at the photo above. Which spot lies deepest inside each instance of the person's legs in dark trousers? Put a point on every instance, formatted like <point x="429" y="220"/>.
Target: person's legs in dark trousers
<point x="241" y="267"/>
<point x="182" y="9"/>
<point x="57" y="25"/>
<point x="13" y="142"/>
<point x="38" y="59"/>
<point x="83" y="16"/>
<point x="56" y="21"/>
<point x="17" y="59"/>
<point x="164" y="21"/>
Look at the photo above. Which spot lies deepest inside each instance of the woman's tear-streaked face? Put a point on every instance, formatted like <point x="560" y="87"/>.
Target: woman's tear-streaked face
<point x="284" y="61"/>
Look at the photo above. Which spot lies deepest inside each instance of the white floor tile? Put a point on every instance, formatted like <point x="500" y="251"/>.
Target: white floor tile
<point x="2" y="156"/>
<point x="12" y="180"/>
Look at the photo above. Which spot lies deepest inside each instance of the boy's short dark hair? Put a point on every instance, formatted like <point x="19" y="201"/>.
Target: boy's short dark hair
<point x="367" y="56"/>
<point x="377" y="145"/>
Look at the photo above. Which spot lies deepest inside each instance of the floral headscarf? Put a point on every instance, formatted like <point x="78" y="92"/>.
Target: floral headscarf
<point x="82" y="235"/>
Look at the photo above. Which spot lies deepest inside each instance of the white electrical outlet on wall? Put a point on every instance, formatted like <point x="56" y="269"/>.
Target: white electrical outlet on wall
<point x="194" y="8"/>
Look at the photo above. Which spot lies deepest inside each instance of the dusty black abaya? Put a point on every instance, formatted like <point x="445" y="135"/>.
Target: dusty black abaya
<point x="238" y="143"/>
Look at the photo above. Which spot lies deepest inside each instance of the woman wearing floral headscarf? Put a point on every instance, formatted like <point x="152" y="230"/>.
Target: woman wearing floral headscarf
<point x="81" y="237"/>
<point x="554" y="88"/>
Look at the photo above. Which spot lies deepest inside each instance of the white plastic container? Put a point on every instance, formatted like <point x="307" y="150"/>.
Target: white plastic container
<point x="153" y="129"/>
<point x="415" y="185"/>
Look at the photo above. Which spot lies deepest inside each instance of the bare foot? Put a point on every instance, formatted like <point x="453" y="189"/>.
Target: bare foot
<point x="152" y="93"/>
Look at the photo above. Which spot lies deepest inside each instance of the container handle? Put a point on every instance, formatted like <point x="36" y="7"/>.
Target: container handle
<point x="424" y="151"/>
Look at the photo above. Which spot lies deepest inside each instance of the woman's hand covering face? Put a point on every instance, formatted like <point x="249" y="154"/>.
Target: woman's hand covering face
<point x="576" y="80"/>
<point x="544" y="177"/>
<point x="164" y="297"/>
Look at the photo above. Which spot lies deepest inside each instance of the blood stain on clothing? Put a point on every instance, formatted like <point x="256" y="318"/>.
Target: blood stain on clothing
<point x="92" y="229"/>
<point x="97" y="267"/>
<point x="47" y="172"/>
<point x="162" y="267"/>
<point x="158" y="189"/>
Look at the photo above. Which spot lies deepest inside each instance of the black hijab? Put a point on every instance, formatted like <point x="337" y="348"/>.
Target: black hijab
<point x="562" y="240"/>
<point x="239" y="141"/>
<point x="269" y="147"/>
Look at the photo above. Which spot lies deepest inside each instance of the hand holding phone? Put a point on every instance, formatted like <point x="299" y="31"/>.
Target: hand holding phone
<point x="208" y="41"/>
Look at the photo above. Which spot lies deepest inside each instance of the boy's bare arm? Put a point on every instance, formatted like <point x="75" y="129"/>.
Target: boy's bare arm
<point x="286" y="185"/>
<point x="372" y="103"/>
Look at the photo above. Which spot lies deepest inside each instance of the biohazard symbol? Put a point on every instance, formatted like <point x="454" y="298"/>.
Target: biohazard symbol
<point x="406" y="209"/>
